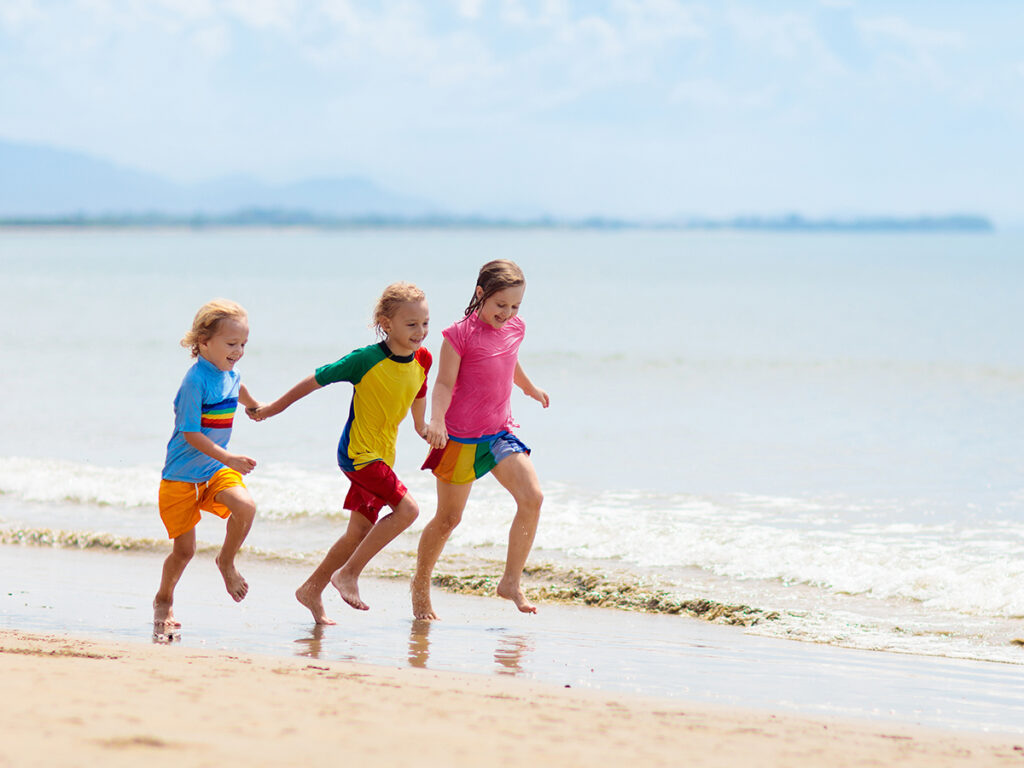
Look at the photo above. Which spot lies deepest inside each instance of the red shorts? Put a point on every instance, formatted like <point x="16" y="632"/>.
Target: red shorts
<point x="373" y="485"/>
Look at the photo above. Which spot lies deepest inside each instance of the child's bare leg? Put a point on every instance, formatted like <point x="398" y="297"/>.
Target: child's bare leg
<point x="310" y="594"/>
<point x="182" y="551"/>
<point x="243" y="512"/>
<point x="517" y="474"/>
<point x="346" y="578"/>
<point x="451" y="501"/>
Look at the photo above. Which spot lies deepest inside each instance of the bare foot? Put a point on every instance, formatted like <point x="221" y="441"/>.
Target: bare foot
<point x="515" y="594"/>
<point x="313" y="599"/>
<point x="348" y="588"/>
<point x="236" y="585"/>
<point x="421" y="607"/>
<point x="163" y="616"/>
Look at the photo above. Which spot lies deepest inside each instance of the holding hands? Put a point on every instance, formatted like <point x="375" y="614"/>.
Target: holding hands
<point x="256" y="412"/>
<point x="435" y="433"/>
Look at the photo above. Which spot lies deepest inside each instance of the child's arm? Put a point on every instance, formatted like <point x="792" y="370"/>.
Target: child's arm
<point x="419" y="412"/>
<point x="299" y="391"/>
<point x="247" y="400"/>
<point x="447" y="372"/>
<point x="241" y="464"/>
<point x="521" y="380"/>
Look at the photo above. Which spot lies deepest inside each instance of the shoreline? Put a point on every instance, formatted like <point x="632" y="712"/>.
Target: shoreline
<point x="72" y="701"/>
<point x="106" y="597"/>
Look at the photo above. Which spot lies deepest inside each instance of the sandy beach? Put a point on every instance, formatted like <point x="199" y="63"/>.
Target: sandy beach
<point x="71" y="701"/>
<point x="257" y="684"/>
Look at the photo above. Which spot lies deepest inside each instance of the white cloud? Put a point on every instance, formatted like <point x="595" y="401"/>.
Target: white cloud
<point x="706" y="93"/>
<point x="512" y="12"/>
<point x="785" y="36"/>
<point x="265" y="14"/>
<point x="917" y="38"/>
<point x="15" y="14"/>
<point x="469" y="9"/>
<point x="212" y="40"/>
<point x="189" y="10"/>
<point x="659" y="21"/>
<point x="915" y="52"/>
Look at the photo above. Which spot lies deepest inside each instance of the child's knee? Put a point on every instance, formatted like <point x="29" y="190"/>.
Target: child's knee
<point x="244" y="511"/>
<point x="532" y="500"/>
<point x="448" y="521"/>
<point x="184" y="549"/>
<point x="408" y="510"/>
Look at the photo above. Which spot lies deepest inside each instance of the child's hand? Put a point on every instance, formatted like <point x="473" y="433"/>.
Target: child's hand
<point x="255" y="412"/>
<point x="243" y="465"/>
<point x="436" y="435"/>
<point x="540" y="396"/>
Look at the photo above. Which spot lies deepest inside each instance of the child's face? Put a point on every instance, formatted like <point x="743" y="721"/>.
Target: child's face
<point x="502" y="306"/>
<point x="227" y="345"/>
<point x="407" y="328"/>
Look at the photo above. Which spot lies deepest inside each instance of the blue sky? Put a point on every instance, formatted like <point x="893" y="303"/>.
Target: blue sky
<point x="643" y="108"/>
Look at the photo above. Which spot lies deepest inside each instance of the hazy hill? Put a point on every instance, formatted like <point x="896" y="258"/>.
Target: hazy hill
<point x="45" y="181"/>
<point x="55" y="187"/>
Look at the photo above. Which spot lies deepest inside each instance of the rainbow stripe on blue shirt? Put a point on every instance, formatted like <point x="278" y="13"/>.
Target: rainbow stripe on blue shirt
<point x="220" y="415"/>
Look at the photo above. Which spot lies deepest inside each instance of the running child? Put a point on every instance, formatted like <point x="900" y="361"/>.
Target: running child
<point x="199" y="472"/>
<point x="470" y="428"/>
<point x="390" y="379"/>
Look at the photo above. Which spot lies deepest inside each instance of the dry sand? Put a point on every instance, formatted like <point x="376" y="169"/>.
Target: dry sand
<point x="70" y="701"/>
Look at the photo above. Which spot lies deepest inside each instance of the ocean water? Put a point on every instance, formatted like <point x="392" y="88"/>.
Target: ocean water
<point x="822" y="429"/>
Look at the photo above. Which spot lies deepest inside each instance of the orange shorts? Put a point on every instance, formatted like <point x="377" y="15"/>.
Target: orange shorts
<point x="181" y="502"/>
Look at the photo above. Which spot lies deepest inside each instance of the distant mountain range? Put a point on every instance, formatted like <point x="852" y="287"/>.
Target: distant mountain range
<point x="54" y="187"/>
<point x="44" y="182"/>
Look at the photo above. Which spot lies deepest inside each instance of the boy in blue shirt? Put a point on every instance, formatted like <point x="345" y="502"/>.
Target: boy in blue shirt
<point x="199" y="472"/>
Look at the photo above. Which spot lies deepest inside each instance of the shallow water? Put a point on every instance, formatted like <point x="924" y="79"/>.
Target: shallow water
<point x="815" y="426"/>
<point x="107" y="595"/>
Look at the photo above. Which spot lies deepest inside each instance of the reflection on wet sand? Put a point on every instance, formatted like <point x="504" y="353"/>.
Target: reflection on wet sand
<point x="419" y="643"/>
<point x="510" y="653"/>
<point x="311" y="646"/>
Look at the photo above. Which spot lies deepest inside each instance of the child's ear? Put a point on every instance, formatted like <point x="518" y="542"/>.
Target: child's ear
<point x="479" y="292"/>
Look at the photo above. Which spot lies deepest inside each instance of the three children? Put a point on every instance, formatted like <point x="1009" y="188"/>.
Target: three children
<point x="469" y="433"/>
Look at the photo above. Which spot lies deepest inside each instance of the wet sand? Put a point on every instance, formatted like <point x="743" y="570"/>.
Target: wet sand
<point x="682" y="663"/>
<point x="75" y="702"/>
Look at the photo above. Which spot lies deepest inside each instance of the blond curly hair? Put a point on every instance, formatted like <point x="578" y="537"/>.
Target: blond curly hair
<point x="207" y="320"/>
<point x="394" y="296"/>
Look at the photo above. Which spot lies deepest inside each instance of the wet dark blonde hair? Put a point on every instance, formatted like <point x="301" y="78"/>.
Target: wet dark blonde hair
<point x="207" y="320"/>
<point x="394" y="296"/>
<point x="495" y="276"/>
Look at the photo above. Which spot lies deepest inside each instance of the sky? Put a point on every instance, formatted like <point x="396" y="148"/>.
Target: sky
<point x="633" y="108"/>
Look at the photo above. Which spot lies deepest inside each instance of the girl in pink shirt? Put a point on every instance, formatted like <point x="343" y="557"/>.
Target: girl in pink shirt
<point x="470" y="428"/>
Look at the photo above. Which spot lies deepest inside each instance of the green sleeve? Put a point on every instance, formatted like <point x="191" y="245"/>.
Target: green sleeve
<point x="352" y="367"/>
